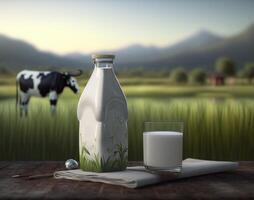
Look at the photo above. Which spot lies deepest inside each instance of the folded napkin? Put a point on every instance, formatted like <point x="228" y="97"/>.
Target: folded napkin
<point x="138" y="176"/>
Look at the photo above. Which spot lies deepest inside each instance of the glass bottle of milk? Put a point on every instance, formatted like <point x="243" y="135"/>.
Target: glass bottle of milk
<point x="102" y="114"/>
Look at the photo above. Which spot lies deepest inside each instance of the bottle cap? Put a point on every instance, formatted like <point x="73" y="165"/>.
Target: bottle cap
<point x="102" y="56"/>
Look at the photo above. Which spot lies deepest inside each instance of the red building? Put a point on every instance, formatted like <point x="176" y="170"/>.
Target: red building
<point x="217" y="79"/>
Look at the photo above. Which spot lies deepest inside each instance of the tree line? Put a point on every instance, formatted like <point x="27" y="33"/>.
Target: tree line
<point x="224" y="67"/>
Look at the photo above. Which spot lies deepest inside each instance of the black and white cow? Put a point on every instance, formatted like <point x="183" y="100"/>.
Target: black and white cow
<point x="43" y="84"/>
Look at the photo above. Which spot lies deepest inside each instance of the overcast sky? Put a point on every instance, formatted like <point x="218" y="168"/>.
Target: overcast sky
<point x="65" y="26"/>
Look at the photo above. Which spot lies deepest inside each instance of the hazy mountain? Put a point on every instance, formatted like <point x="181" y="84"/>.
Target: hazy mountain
<point x="128" y="54"/>
<point x="17" y="54"/>
<point x="199" y="40"/>
<point x="200" y="49"/>
<point x="137" y="54"/>
<point x="78" y="57"/>
<point x="240" y="48"/>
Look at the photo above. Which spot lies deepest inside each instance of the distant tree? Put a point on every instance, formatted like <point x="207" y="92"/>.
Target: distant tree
<point x="179" y="75"/>
<point x="225" y="66"/>
<point x="198" y="76"/>
<point x="241" y="74"/>
<point x="249" y="71"/>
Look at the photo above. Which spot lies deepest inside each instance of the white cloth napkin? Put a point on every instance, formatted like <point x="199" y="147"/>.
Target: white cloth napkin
<point x="134" y="177"/>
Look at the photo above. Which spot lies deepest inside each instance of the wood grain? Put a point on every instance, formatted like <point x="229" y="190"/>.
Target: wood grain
<point x="235" y="184"/>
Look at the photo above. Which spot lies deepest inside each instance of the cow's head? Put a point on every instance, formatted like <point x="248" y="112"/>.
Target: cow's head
<point x="71" y="82"/>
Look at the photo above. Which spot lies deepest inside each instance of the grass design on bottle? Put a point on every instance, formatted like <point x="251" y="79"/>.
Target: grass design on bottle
<point x="99" y="164"/>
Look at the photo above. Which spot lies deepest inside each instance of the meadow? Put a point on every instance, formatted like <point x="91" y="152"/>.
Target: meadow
<point x="219" y="122"/>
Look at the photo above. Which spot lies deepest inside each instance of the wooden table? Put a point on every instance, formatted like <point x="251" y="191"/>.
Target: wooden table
<point x="235" y="184"/>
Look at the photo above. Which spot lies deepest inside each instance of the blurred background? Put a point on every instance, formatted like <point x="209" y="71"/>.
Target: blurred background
<point x="190" y="61"/>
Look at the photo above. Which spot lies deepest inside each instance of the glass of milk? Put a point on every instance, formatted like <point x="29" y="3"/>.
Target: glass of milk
<point x="163" y="146"/>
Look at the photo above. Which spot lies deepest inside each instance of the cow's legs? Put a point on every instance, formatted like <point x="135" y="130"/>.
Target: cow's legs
<point x="53" y="101"/>
<point x="24" y="100"/>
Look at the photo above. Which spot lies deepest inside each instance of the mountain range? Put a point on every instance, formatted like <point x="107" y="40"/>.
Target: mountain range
<point x="18" y="54"/>
<point x="200" y="49"/>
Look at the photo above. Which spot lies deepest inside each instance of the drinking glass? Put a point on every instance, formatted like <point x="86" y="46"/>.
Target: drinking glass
<point x="163" y="146"/>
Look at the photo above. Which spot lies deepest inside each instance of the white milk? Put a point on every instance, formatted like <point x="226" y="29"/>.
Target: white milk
<point x="102" y="113"/>
<point x="163" y="149"/>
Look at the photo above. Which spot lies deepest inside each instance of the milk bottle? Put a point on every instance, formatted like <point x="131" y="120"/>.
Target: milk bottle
<point x="102" y="114"/>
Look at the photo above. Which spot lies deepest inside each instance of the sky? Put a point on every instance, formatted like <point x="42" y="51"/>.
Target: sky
<point x="65" y="26"/>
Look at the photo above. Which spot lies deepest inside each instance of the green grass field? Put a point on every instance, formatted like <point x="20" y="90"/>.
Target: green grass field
<point x="219" y="122"/>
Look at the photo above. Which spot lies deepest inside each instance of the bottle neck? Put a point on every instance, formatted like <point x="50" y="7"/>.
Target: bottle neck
<point x="103" y="63"/>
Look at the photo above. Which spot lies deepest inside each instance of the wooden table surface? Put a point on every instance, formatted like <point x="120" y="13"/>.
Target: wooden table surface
<point x="234" y="184"/>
